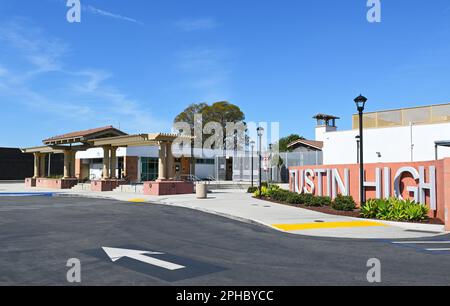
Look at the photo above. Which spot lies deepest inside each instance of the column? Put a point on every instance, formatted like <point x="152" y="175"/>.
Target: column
<point x="193" y="164"/>
<point x="36" y="165"/>
<point x="170" y="162"/>
<point x="72" y="164"/>
<point x="446" y="191"/>
<point x="66" y="164"/>
<point x="42" y="165"/>
<point x="106" y="174"/>
<point x="162" y="173"/>
<point x="113" y="162"/>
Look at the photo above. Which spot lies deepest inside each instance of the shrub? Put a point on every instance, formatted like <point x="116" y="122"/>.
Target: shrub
<point x="264" y="192"/>
<point x="320" y="201"/>
<point x="281" y="195"/>
<point x="252" y="189"/>
<point x="344" y="203"/>
<point x="394" y="209"/>
<point x="293" y="198"/>
<point x="305" y="199"/>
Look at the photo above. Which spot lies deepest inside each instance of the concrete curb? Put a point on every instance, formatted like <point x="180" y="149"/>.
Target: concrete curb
<point x="432" y="228"/>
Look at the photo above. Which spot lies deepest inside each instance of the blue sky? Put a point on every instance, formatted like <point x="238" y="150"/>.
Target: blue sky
<point x="138" y="63"/>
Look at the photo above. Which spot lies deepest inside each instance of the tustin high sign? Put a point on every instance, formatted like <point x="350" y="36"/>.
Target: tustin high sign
<point x="334" y="183"/>
<point x="425" y="182"/>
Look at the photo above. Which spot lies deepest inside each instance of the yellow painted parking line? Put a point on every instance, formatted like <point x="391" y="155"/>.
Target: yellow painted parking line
<point x="137" y="200"/>
<point x="322" y="225"/>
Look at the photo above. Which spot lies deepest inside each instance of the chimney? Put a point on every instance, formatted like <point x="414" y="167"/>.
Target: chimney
<point x="325" y="124"/>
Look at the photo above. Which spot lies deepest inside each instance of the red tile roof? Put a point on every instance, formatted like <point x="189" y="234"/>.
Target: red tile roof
<point x="82" y="134"/>
<point x="312" y="143"/>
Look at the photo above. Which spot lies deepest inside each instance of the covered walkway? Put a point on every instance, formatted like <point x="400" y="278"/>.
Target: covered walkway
<point x="110" y="140"/>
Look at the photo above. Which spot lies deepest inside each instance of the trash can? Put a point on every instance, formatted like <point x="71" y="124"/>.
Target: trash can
<point x="201" y="191"/>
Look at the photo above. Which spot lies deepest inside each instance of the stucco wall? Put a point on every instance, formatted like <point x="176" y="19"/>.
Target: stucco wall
<point x="394" y="144"/>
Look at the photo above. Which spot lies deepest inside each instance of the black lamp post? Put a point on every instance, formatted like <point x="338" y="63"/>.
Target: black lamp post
<point x="260" y="131"/>
<point x="360" y="104"/>
<point x="252" y="144"/>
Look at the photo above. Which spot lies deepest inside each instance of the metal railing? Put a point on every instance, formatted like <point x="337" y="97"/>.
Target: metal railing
<point x="404" y="117"/>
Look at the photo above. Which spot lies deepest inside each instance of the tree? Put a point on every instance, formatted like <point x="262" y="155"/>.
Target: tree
<point x="189" y="113"/>
<point x="285" y="141"/>
<point x="221" y="112"/>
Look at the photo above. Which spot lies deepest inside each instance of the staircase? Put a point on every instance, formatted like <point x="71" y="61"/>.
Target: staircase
<point x="137" y="188"/>
<point x="228" y="185"/>
<point x="82" y="187"/>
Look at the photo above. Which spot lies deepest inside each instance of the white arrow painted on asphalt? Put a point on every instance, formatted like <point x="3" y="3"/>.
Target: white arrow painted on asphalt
<point x="115" y="254"/>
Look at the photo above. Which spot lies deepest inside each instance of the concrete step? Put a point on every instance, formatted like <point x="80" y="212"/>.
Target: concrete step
<point x="130" y="189"/>
<point x="224" y="186"/>
<point x="82" y="187"/>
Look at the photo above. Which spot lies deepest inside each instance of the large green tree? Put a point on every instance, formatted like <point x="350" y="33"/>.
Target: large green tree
<point x="188" y="115"/>
<point x="221" y="112"/>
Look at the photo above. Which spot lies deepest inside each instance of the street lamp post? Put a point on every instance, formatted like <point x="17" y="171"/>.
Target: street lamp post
<point x="269" y="180"/>
<point x="252" y="144"/>
<point x="260" y="131"/>
<point x="360" y="102"/>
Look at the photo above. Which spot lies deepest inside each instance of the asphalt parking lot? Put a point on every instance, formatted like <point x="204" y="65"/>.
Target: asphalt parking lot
<point x="119" y="243"/>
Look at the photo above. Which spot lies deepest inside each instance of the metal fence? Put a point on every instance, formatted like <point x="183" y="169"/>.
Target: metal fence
<point x="404" y="117"/>
<point x="278" y="170"/>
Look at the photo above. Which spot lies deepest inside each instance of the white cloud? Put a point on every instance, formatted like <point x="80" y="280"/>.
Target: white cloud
<point x="44" y="53"/>
<point x="96" y="11"/>
<point x="3" y="71"/>
<point x="189" y="25"/>
<point x="80" y="96"/>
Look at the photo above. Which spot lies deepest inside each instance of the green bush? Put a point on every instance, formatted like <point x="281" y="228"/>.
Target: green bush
<point x="252" y="189"/>
<point x="306" y="199"/>
<point x="293" y="198"/>
<point x="394" y="210"/>
<point x="320" y="202"/>
<point x="344" y="203"/>
<point x="281" y="195"/>
<point x="264" y="192"/>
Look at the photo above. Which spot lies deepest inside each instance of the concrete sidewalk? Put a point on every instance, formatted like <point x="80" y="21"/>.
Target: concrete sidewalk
<point x="238" y="205"/>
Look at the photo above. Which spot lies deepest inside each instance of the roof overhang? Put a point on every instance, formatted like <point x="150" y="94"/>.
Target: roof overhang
<point x="55" y="149"/>
<point x="42" y="150"/>
<point x="443" y="143"/>
<point x="136" y="140"/>
<point x="117" y="141"/>
<point x="83" y="136"/>
<point x="305" y="143"/>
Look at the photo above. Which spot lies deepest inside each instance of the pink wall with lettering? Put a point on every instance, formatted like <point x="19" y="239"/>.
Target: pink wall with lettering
<point x="442" y="182"/>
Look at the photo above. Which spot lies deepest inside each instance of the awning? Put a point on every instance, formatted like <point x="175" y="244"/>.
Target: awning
<point x="443" y="143"/>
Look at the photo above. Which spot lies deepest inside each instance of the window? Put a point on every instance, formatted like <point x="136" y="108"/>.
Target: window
<point x="203" y="161"/>
<point x="149" y="168"/>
